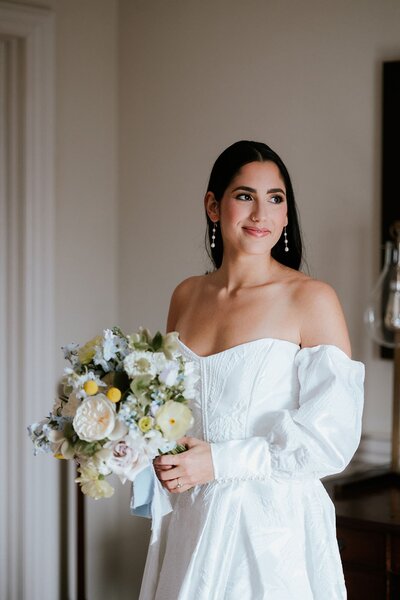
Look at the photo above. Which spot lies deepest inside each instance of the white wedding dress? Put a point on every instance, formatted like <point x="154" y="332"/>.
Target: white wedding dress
<point x="279" y="417"/>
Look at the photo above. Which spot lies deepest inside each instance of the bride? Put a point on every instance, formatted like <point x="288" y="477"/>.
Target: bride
<point x="280" y="405"/>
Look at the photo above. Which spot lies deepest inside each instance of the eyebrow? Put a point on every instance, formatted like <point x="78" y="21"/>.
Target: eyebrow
<point x="250" y="189"/>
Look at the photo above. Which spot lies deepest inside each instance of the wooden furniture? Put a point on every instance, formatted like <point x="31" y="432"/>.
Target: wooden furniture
<point x="368" y="533"/>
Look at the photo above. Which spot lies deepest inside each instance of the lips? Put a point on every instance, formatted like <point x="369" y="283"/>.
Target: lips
<point x="256" y="231"/>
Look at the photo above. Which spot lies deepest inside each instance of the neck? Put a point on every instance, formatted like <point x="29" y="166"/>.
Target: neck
<point x="241" y="272"/>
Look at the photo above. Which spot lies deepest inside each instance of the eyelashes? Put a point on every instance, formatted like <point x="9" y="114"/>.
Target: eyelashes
<point x="244" y="197"/>
<point x="276" y="198"/>
<point x="279" y="199"/>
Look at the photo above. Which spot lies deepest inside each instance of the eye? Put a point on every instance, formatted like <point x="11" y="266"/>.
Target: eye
<point x="244" y="196"/>
<point x="276" y="199"/>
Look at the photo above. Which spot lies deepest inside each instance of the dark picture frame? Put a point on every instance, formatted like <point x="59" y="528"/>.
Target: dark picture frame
<point x="390" y="198"/>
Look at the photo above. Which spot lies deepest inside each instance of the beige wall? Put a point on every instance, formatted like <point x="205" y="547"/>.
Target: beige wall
<point x="145" y="103"/>
<point x="303" y="77"/>
<point x="87" y="218"/>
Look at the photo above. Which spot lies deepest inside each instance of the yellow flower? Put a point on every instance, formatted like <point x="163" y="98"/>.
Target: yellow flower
<point x="59" y="456"/>
<point x="145" y="424"/>
<point x="175" y="419"/>
<point x="91" y="387"/>
<point x="87" y="352"/>
<point x="93" y="484"/>
<point x="114" y="394"/>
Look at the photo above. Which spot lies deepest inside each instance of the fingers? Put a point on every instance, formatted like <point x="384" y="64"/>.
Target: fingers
<point x="182" y="489"/>
<point x="172" y="486"/>
<point x="167" y="460"/>
<point x="163" y="467"/>
<point x="170" y="475"/>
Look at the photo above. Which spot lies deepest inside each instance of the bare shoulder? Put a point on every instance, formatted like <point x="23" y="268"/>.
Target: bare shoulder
<point x="180" y="296"/>
<point x="187" y="286"/>
<point x="322" y="320"/>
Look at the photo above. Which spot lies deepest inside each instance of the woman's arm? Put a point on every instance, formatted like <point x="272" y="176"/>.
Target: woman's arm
<point x="321" y="316"/>
<point x="179" y="299"/>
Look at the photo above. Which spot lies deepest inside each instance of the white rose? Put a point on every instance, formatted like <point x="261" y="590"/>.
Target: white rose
<point x="119" y="430"/>
<point x="127" y="458"/>
<point x="95" y="418"/>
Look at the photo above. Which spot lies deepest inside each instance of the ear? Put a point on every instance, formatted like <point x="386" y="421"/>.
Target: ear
<point x="211" y="206"/>
<point x="286" y="220"/>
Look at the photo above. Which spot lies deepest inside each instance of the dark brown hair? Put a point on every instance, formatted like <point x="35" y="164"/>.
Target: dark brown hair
<point x="227" y="165"/>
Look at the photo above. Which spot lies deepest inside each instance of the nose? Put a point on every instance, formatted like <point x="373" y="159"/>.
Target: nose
<point x="258" y="213"/>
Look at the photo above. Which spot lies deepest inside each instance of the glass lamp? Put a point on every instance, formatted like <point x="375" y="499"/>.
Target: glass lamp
<point x="382" y="318"/>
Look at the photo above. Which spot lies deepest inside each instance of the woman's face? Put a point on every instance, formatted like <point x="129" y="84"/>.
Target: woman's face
<point x="253" y="209"/>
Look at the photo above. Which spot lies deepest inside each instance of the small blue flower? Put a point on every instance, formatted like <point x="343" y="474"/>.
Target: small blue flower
<point x="37" y="433"/>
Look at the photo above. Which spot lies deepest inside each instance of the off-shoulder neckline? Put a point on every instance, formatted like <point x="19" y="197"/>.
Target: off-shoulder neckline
<point x="266" y="339"/>
<point x="236" y="346"/>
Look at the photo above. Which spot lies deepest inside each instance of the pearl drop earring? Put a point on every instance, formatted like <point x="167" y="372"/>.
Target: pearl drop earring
<point x="213" y="235"/>
<point x="286" y="242"/>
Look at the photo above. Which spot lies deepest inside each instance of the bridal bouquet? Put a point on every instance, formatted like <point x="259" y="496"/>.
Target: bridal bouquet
<point x="124" y="400"/>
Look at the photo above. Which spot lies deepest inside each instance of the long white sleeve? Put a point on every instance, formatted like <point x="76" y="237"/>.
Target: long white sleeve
<point x="316" y="439"/>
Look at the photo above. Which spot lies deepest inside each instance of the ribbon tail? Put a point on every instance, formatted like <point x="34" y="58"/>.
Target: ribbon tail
<point x="160" y="506"/>
<point x="150" y="500"/>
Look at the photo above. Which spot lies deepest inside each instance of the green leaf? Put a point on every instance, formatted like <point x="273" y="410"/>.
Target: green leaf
<point x="140" y="384"/>
<point x="118" y="331"/>
<point x="180" y="398"/>
<point x="177" y="450"/>
<point x="157" y="341"/>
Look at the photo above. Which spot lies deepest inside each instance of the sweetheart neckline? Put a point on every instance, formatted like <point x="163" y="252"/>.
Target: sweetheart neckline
<point x="272" y="339"/>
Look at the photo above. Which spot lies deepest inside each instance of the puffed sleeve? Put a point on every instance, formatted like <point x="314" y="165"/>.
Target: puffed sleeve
<point x="316" y="439"/>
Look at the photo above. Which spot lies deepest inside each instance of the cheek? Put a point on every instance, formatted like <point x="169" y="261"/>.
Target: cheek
<point x="277" y="214"/>
<point x="235" y="211"/>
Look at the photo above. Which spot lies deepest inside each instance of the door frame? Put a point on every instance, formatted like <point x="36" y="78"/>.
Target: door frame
<point x="31" y="538"/>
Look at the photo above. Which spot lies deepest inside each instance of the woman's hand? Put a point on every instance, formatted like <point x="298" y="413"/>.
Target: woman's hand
<point x="180" y="472"/>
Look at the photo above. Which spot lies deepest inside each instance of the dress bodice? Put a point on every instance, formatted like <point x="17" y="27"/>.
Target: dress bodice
<point x="241" y="387"/>
<point x="298" y="409"/>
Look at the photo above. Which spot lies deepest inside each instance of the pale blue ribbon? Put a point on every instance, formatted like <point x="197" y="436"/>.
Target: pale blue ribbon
<point x="150" y="500"/>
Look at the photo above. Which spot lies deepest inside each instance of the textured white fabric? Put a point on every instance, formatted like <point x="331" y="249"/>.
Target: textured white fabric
<point x="278" y="417"/>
